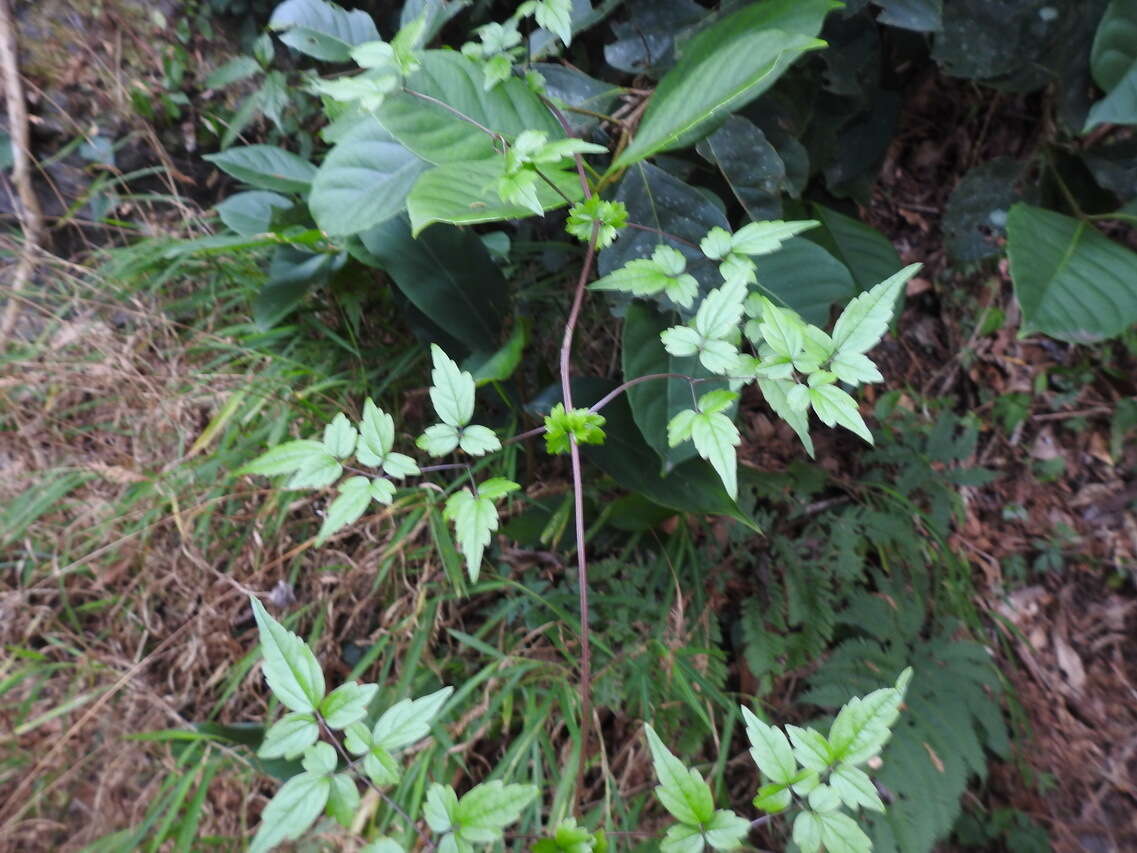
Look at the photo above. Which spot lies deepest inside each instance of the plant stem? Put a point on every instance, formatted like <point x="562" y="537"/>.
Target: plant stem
<point x="662" y="233"/>
<point x="620" y="389"/>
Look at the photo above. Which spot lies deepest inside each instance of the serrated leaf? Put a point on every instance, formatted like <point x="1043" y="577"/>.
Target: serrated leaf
<point x="439" y="439"/>
<point x="319" y="759"/>
<point x="285" y="458"/>
<point x="290" y="736"/>
<point x="773" y="798"/>
<point x="380" y="767"/>
<point x="475" y="519"/>
<point x="266" y="167"/>
<point x="776" y="393"/>
<point x="762" y="238"/>
<point x="833" y="405"/>
<point x="855" y="788"/>
<point x="864" y="321"/>
<point x="556" y="17"/>
<point x="840" y="833"/>
<point x="810" y="747"/>
<point x="441" y="807"/>
<point x="682" y="838"/>
<point x="486" y="809"/>
<point x="807" y="832"/>
<point x="824" y="799"/>
<point x="855" y="368"/>
<point x="725" y="830"/>
<point x="478" y="440"/>
<point x="681" y="340"/>
<point x="715" y="437"/>
<point x="355" y="494"/>
<point x="347" y="704"/>
<point x="782" y="330"/>
<point x="681" y="790"/>
<point x="863" y="725"/>
<point x="340" y="437"/>
<point x="291" y="811"/>
<point x="408" y="720"/>
<point x="343" y="799"/>
<point x="452" y="389"/>
<point x="317" y="472"/>
<point x="770" y="749"/>
<point x="679" y="427"/>
<point x="290" y="668"/>
<point x="382" y="490"/>
<point x="720" y="311"/>
<point x="376" y="434"/>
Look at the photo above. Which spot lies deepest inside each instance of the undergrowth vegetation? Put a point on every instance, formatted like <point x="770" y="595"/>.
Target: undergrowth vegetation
<point x="479" y="424"/>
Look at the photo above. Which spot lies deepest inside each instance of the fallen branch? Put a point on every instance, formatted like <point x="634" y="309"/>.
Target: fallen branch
<point x="27" y="207"/>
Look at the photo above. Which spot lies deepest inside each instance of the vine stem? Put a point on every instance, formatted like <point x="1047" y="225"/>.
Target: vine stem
<point x="353" y="764"/>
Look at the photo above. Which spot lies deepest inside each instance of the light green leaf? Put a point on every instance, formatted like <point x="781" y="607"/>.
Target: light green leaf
<point x="679" y="427"/>
<point x="643" y="277"/>
<point x="408" y="720"/>
<point x="682" y="790"/>
<point x="715" y="437"/>
<point x="316" y="472"/>
<point x="773" y="798"/>
<point x="855" y="788"/>
<point x="681" y="340"/>
<point x="720" y="311"/>
<point x="807" y="832"/>
<point x="439" y="439"/>
<point x="382" y="490"/>
<point x="475" y="519"/>
<point x="290" y="736"/>
<point x="364" y="180"/>
<point x="319" y="759"/>
<point x="347" y="704"/>
<point x="290" y="668"/>
<point x="383" y="845"/>
<point x="864" y="321"/>
<point x="762" y="238"/>
<point x="251" y="212"/>
<point x="343" y="799"/>
<point x="285" y="458"/>
<point x="486" y="809"/>
<point x="266" y="167"/>
<point x="466" y="193"/>
<point x="452" y="389"/>
<point x="478" y="440"/>
<point x="721" y="70"/>
<point x="321" y="29"/>
<point x="682" y="838"/>
<point x="855" y="368"/>
<point x="380" y="767"/>
<point x="340" y="437"/>
<point x="726" y="830"/>
<point x="351" y="502"/>
<point x="556" y="17"/>
<point x="810" y="748"/>
<point x="520" y="189"/>
<point x="376" y="435"/>
<point x="833" y="405"/>
<point x="770" y="749"/>
<point x="291" y="811"/>
<point x="824" y="799"/>
<point x="1072" y="282"/>
<point x="441" y="807"/>
<point x="784" y="331"/>
<point x="863" y="725"/>
<point x="840" y="834"/>
<point x="776" y="393"/>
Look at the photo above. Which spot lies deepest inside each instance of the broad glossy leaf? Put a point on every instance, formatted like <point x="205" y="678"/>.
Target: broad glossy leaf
<point x="1119" y="106"/>
<point x="448" y="274"/>
<point x="437" y="134"/>
<point x="750" y="164"/>
<point x="722" y="69"/>
<point x="321" y="29"/>
<point x="293" y="273"/>
<point x="465" y="193"/>
<point x="805" y="277"/>
<point x="976" y="216"/>
<point x="364" y="180"/>
<point x="655" y="403"/>
<point x="290" y="668"/>
<point x="1115" y="44"/>
<point x="252" y="212"/>
<point x="657" y="200"/>
<point x="291" y="811"/>
<point x="569" y="87"/>
<point x="867" y="253"/>
<point x="500" y="365"/>
<point x="266" y="166"/>
<point x="1071" y="281"/>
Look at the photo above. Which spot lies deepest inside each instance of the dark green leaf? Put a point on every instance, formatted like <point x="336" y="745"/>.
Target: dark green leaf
<point x="251" y="212"/>
<point x="867" y="253"/>
<point x="267" y="167"/>
<point x="321" y="29"/>
<point x="1119" y="106"/>
<point x="363" y="181"/>
<point x="448" y="274"/>
<point x="569" y="87"/>
<point x="752" y="168"/>
<point x="976" y="216"/>
<point x="1115" y="45"/>
<point x="922" y="16"/>
<point x="1071" y="281"/>
<point x="292" y="274"/>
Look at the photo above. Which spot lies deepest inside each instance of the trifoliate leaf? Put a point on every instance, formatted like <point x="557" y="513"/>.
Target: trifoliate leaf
<point x="770" y="749"/>
<point x="681" y="790"/>
<point x="520" y="188"/>
<point x="811" y="749"/>
<point x="863" y="322"/>
<point x="556" y="17"/>
<point x="343" y="799"/>
<point x="773" y="798"/>
<point x="824" y="799"/>
<point x="290" y="668"/>
<point x="347" y="704"/>
<point x="715" y="437"/>
<point x="439" y="439"/>
<point x="717" y="244"/>
<point x="478" y="440"/>
<point x="486" y="809"/>
<point x="290" y="812"/>
<point x="863" y="725"/>
<point x="441" y="807"/>
<point x="725" y="830"/>
<point x="285" y="458"/>
<point x="762" y="238"/>
<point x="720" y="311"/>
<point x="319" y="759"/>
<point x="646" y="277"/>
<point x="452" y="391"/>
<point x="475" y="519"/>
<point x="408" y="720"/>
<point x="833" y="405"/>
<point x="290" y="736"/>
<point x="561" y="426"/>
<point x="776" y="393"/>
<point x="351" y="502"/>
<point x="611" y="216"/>
<point x="855" y="788"/>
<point x="340" y="437"/>
<point x="855" y="368"/>
<point x="316" y="472"/>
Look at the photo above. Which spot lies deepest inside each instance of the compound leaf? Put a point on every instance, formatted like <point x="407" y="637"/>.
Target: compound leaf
<point x="290" y="668"/>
